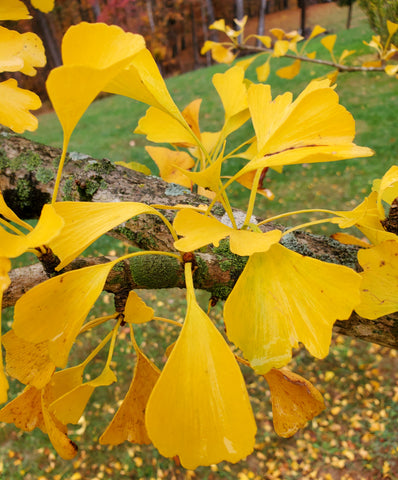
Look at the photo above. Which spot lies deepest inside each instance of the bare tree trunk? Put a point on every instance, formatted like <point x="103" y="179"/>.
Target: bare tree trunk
<point x="150" y="15"/>
<point x="261" y="20"/>
<point x="303" y="6"/>
<point x="195" y="44"/>
<point x="349" y="16"/>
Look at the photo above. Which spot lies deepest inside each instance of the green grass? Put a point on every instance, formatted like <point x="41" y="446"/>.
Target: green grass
<point x="356" y="436"/>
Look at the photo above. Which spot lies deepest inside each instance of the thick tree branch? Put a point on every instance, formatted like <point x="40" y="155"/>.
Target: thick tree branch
<point x="26" y="181"/>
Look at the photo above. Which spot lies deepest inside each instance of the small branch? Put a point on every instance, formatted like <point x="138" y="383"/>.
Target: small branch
<point x="329" y="63"/>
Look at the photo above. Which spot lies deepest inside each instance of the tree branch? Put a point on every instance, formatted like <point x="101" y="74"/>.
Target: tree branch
<point x="26" y="181"/>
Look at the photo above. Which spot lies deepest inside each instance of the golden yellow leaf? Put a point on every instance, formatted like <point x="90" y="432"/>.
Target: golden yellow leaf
<point x="43" y="5"/>
<point x="137" y="167"/>
<point x="284" y="298"/>
<point x="247" y="181"/>
<point x="136" y="311"/>
<point x="199" y="408"/>
<point x="33" y="54"/>
<point x="379" y="291"/>
<point x="15" y="105"/>
<point x="317" y="30"/>
<point x="328" y="42"/>
<point x="5" y="267"/>
<point x="56" y="431"/>
<point x="265" y="40"/>
<point x="13" y="10"/>
<point x="391" y="70"/>
<point x="11" y="46"/>
<point x="278" y="33"/>
<point x="263" y="72"/>
<point x="280" y="48"/>
<point x="347" y="239"/>
<point x="373" y="63"/>
<point x="168" y="160"/>
<point x="27" y="362"/>
<point x="69" y="407"/>
<point x="7" y="213"/>
<point x="48" y="227"/>
<point x="87" y="221"/>
<point x="24" y="411"/>
<point x="68" y="298"/>
<point x="129" y="421"/>
<point x="392" y="27"/>
<point x="290" y="71"/>
<point x="294" y="401"/>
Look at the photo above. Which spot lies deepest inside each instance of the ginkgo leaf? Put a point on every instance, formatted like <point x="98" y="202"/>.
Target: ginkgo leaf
<point x="4" y="386"/>
<point x="391" y="69"/>
<point x="68" y="298"/>
<point x="379" y="292"/>
<point x="290" y="71"/>
<point x="199" y="230"/>
<point x="69" y="407"/>
<point x="9" y="214"/>
<point x="15" y="105"/>
<point x="43" y="5"/>
<point x="263" y="72"/>
<point x="278" y="33"/>
<point x="24" y="411"/>
<point x="387" y="187"/>
<point x="87" y="221"/>
<point x="219" y="53"/>
<point x="168" y="160"/>
<point x="13" y="10"/>
<point x="328" y="42"/>
<point x="33" y="53"/>
<point x="284" y="298"/>
<point x="280" y="48"/>
<point x="136" y="310"/>
<point x="191" y="115"/>
<point x="11" y="245"/>
<point x="48" y="227"/>
<point x="199" y="408"/>
<point x="56" y="431"/>
<point x="129" y="421"/>
<point x="27" y="362"/>
<point x="348" y="239"/>
<point x="208" y="178"/>
<point x="317" y="30"/>
<point x="247" y="181"/>
<point x="392" y="27"/>
<point x="160" y="127"/>
<point x="142" y="81"/>
<point x="295" y="401"/>
<point x="11" y="45"/>
<point x="137" y="167"/>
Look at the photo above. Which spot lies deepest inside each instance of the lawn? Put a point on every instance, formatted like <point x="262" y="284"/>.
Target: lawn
<point x="355" y="437"/>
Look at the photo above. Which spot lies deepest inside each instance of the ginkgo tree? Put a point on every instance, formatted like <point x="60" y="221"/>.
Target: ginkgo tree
<point x="196" y="406"/>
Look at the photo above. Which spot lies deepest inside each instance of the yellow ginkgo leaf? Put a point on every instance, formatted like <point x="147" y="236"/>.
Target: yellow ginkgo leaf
<point x="137" y="167"/>
<point x="295" y="401"/>
<point x="15" y="105"/>
<point x="48" y="227"/>
<point x="7" y="213"/>
<point x="24" y="411"/>
<point x="11" y="45"/>
<point x="347" y="239"/>
<point x="4" y="386"/>
<point x="199" y="408"/>
<point x="56" y="431"/>
<point x="328" y="42"/>
<point x="284" y="298"/>
<point x="11" y="245"/>
<point x="387" y="189"/>
<point x="43" y="5"/>
<point x="392" y="27"/>
<point x="278" y="33"/>
<point x="198" y="230"/>
<point x="290" y="71"/>
<point x="168" y="160"/>
<point x="231" y="88"/>
<point x="208" y="178"/>
<point x="27" y="362"/>
<point x="87" y="221"/>
<point x="263" y="72"/>
<point x="265" y="40"/>
<point x="160" y="127"/>
<point x="245" y="242"/>
<point x="129" y="421"/>
<point x="136" y="311"/>
<point x="391" y="69"/>
<point x="317" y="30"/>
<point x="142" y="81"/>
<point x="280" y="48"/>
<point x="13" y="10"/>
<point x="191" y="115"/>
<point x="68" y="298"/>
<point x="5" y="267"/>
<point x="379" y="291"/>
<point x="69" y="407"/>
<point x="219" y="53"/>
<point x="247" y="181"/>
<point x="33" y="54"/>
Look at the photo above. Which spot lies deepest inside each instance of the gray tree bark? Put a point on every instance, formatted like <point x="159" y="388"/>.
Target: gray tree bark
<point x="27" y="173"/>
